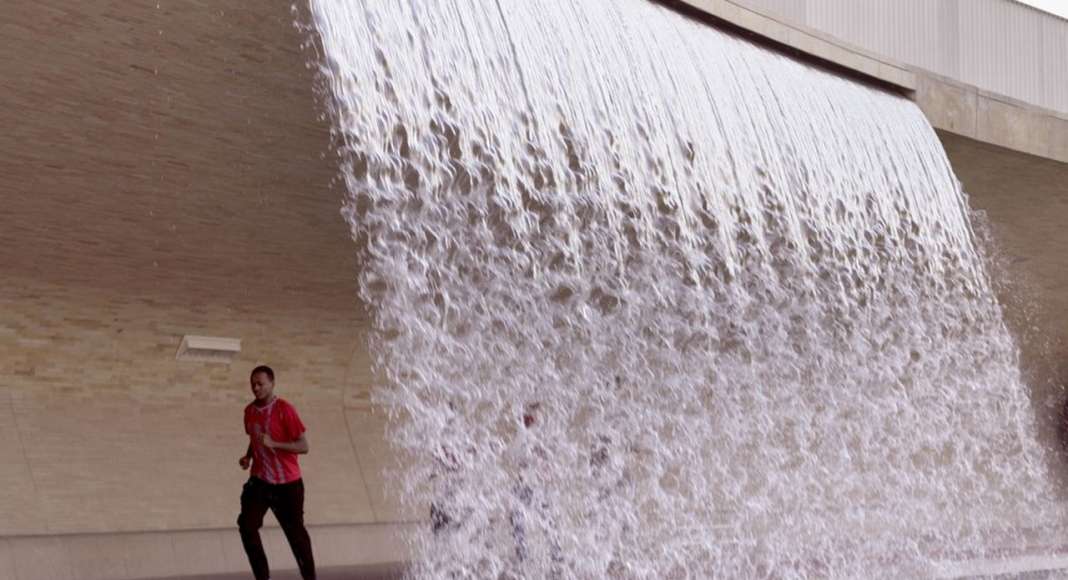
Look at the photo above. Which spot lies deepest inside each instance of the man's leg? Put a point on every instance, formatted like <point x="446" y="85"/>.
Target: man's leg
<point x="254" y="503"/>
<point x="289" y="509"/>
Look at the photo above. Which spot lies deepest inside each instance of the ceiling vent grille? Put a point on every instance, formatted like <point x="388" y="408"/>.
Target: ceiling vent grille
<point x="212" y="349"/>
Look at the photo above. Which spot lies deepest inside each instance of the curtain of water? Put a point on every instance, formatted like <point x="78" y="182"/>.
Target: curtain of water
<point x="656" y="302"/>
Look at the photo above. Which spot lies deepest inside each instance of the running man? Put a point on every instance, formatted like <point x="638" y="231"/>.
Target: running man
<point x="276" y="437"/>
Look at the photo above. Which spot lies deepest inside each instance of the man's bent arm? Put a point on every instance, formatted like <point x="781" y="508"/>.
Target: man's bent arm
<point x="299" y="446"/>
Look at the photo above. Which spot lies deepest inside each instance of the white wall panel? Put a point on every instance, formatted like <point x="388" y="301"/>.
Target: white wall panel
<point x="999" y="45"/>
<point x="1055" y="66"/>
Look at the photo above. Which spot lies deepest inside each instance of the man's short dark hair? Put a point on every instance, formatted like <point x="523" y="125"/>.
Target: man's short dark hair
<point x="265" y="370"/>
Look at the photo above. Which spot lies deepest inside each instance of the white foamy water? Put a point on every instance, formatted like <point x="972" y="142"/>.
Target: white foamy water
<point x="738" y="296"/>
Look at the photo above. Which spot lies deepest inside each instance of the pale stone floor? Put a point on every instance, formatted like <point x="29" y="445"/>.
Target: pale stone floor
<point x="395" y="573"/>
<point x="349" y="573"/>
<point x="385" y="573"/>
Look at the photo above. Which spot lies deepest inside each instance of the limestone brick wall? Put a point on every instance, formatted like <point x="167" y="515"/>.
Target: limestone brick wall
<point x="107" y="432"/>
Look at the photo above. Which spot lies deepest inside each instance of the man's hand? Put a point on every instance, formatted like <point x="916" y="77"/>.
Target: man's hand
<point x="244" y="462"/>
<point x="268" y="442"/>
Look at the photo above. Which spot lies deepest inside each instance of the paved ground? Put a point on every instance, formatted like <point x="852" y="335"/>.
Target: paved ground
<point x="351" y="573"/>
<point x="395" y="572"/>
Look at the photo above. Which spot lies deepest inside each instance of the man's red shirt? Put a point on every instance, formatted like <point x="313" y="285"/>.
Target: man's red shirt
<point x="281" y="421"/>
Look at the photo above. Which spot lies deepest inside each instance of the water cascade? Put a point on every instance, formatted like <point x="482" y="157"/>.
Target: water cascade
<point x="656" y="302"/>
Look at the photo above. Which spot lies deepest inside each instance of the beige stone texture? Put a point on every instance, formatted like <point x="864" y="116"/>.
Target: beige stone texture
<point x="97" y="556"/>
<point x="18" y="499"/>
<point x="340" y="494"/>
<point x="7" y="560"/>
<point x="41" y="558"/>
<point x="149" y="555"/>
<point x="201" y="552"/>
<point x="378" y="461"/>
<point x="375" y="543"/>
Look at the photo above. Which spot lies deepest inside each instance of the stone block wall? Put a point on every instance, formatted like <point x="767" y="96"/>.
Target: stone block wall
<point x="110" y="439"/>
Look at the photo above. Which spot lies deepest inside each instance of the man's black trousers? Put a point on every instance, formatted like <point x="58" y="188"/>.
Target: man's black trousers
<point x="286" y="500"/>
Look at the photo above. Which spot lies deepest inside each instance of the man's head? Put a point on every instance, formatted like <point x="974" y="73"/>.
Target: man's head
<point x="262" y="382"/>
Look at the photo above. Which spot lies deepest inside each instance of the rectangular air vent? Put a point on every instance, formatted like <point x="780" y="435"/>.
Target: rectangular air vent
<point x="208" y="349"/>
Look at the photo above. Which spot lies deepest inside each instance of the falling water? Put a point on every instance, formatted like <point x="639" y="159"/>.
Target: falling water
<point x="655" y="302"/>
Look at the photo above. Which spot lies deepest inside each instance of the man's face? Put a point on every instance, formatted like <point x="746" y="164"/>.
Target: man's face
<point x="262" y="386"/>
